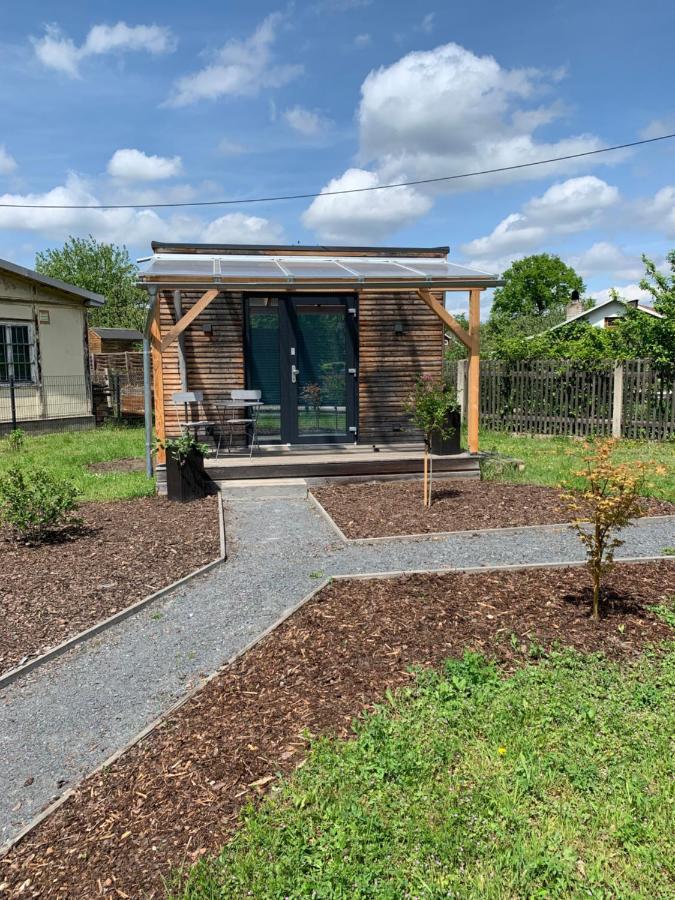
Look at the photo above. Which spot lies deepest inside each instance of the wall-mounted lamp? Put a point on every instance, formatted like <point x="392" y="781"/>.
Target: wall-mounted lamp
<point x="398" y="328"/>
<point x="207" y="328"/>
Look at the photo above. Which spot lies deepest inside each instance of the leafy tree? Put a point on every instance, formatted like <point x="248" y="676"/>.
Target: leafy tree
<point x="646" y="335"/>
<point x="537" y="285"/>
<point x="103" y="268"/>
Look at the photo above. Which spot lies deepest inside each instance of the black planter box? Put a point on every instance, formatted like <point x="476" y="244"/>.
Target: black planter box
<point x="446" y="446"/>
<point x="186" y="482"/>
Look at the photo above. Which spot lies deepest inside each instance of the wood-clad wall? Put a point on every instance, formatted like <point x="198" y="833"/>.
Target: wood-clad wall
<point x="214" y="361"/>
<point x="390" y="363"/>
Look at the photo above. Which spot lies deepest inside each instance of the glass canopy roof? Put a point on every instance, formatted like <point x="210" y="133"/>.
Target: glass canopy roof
<point x="286" y="269"/>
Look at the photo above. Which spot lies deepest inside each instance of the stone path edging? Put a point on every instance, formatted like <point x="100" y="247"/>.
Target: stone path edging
<point x="82" y="636"/>
<point x="79" y="712"/>
<point x="471" y="570"/>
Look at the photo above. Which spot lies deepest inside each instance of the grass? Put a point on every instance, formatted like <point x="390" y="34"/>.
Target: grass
<point x="557" y="781"/>
<point x="550" y="461"/>
<point x="69" y="454"/>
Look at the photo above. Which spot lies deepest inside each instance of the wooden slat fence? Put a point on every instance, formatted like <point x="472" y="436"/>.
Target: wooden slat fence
<point x="559" y="397"/>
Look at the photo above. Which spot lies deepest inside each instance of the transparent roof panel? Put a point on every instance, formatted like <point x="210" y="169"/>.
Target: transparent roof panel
<point x="310" y="268"/>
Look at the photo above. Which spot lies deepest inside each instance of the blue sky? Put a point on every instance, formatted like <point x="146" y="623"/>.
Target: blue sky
<point x="161" y="102"/>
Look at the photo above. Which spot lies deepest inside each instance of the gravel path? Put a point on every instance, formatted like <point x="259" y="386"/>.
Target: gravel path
<point x="66" y="717"/>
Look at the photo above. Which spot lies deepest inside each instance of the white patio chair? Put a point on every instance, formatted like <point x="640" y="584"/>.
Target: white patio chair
<point x="249" y="402"/>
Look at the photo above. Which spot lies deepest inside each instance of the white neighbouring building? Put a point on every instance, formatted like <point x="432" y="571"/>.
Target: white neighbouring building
<point x="43" y="351"/>
<point x="604" y="314"/>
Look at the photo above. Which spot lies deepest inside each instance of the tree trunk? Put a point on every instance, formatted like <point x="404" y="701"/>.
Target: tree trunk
<point x="596" y="593"/>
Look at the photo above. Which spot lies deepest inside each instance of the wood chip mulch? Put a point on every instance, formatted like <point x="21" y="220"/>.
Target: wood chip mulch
<point x="176" y="794"/>
<point x="124" y="551"/>
<point x="389" y="508"/>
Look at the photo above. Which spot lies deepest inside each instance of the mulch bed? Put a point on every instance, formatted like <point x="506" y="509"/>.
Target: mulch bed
<point x="176" y="794"/>
<point x="116" y="466"/>
<point x="389" y="508"/>
<point x="124" y="551"/>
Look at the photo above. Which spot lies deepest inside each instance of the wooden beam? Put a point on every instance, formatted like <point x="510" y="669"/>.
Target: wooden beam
<point x="473" y="414"/>
<point x="448" y="319"/>
<point x="158" y="380"/>
<point x="189" y="316"/>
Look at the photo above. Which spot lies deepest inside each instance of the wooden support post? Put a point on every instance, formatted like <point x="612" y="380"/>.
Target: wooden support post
<point x="189" y="316"/>
<point x="461" y="387"/>
<point x="445" y="317"/>
<point x="158" y="379"/>
<point x="474" y="370"/>
<point x="182" y="369"/>
<point x="617" y="401"/>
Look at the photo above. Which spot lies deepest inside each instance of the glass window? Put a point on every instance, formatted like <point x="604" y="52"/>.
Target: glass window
<point x="16" y="352"/>
<point x="263" y="362"/>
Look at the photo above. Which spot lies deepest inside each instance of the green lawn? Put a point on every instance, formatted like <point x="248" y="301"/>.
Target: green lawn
<point x="70" y="453"/>
<point x="558" y="781"/>
<point x="551" y="460"/>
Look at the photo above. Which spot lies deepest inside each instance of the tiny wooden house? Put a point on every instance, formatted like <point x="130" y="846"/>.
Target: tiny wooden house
<point x="114" y="340"/>
<point x="334" y="337"/>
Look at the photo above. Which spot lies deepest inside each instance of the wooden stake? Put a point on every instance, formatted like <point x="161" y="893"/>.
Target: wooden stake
<point x="426" y="463"/>
<point x="158" y="379"/>
<point x="474" y="370"/>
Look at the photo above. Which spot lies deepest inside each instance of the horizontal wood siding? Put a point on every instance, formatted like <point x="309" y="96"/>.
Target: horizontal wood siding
<point x="390" y="364"/>
<point x="214" y="362"/>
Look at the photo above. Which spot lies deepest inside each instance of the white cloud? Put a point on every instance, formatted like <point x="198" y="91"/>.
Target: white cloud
<point x="448" y="111"/>
<point x="625" y="291"/>
<point x="605" y="258"/>
<point x="227" y="147"/>
<point x="657" y="127"/>
<point x="363" y="217"/>
<point x="7" y="162"/>
<point x="308" y="122"/>
<point x="127" y="226"/>
<point x="340" y="6"/>
<point x="58" y="51"/>
<point x="427" y="23"/>
<point x="566" y="207"/>
<point x="134" y="165"/>
<point x="239" y="228"/>
<point x="240" y="68"/>
<point x="361" y="41"/>
<point x="658" y="212"/>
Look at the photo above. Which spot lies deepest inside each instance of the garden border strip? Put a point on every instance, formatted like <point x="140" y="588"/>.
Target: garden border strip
<point x="438" y="535"/>
<point x="13" y="674"/>
<point x="159" y="721"/>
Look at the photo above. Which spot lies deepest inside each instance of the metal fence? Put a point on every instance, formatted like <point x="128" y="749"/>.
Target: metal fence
<point x="55" y="403"/>
<point x="559" y="397"/>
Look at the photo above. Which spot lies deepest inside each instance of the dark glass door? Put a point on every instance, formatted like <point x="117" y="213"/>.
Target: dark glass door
<point x="301" y="353"/>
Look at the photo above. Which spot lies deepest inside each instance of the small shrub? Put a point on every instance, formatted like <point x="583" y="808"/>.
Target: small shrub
<point x="611" y="497"/>
<point x="16" y="440"/>
<point x="180" y="448"/>
<point x="429" y="406"/>
<point x="34" y="502"/>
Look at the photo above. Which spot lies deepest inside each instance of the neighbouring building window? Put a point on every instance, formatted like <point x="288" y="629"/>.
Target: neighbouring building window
<point x="16" y="352"/>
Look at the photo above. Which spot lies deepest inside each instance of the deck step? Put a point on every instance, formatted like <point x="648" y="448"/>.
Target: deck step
<point x="351" y="465"/>
<point x="263" y="488"/>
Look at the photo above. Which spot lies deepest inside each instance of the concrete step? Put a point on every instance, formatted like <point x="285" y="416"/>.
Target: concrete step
<point x="263" y="488"/>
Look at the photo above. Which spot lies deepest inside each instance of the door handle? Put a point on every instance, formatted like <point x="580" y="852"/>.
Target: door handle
<point x="294" y="373"/>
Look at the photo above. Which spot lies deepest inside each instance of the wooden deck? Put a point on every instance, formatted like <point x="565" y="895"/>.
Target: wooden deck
<point x="347" y="462"/>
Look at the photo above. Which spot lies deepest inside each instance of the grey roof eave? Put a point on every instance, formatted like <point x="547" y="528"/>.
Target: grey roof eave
<point x="348" y="285"/>
<point x="90" y="298"/>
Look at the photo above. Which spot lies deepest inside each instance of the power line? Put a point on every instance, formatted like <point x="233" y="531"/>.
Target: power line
<point x="362" y="190"/>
